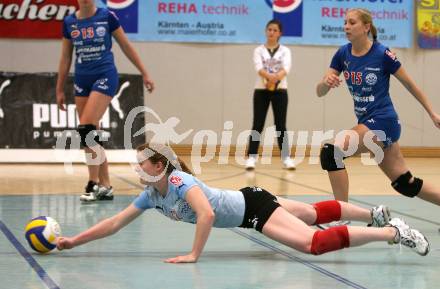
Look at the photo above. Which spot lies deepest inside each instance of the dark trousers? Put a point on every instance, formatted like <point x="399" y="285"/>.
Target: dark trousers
<point x="262" y="99"/>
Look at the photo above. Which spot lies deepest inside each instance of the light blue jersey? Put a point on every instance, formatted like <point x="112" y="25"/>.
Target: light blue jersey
<point x="228" y="206"/>
<point x="368" y="79"/>
<point x="92" y="39"/>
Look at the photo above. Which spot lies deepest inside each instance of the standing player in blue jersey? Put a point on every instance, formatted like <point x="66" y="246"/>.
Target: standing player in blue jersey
<point x="367" y="65"/>
<point x="174" y="192"/>
<point x="89" y="31"/>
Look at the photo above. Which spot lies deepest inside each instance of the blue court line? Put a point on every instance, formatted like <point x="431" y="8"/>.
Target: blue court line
<point x="299" y="260"/>
<point x="284" y="253"/>
<point x="28" y="257"/>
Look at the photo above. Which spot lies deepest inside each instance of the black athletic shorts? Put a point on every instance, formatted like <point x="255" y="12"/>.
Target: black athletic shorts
<point x="259" y="206"/>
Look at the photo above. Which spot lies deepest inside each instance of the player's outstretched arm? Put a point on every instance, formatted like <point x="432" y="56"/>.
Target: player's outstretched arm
<point x="103" y="229"/>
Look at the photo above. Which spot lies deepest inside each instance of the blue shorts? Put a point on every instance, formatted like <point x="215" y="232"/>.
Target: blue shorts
<point x="390" y="128"/>
<point x="106" y="83"/>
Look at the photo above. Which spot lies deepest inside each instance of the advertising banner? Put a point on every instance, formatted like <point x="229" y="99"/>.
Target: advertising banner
<point x="311" y="22"/>
<point x="30" y="118"/>
<point x="324" y="22"/>
<point x="34" y="18"/>
<point x="428" y="23"/>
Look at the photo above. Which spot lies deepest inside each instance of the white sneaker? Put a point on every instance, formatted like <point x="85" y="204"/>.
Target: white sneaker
<point x="250" y="163"/>
<point x="105" y="193"/>
<point x="380" y="216"/>
<point x="87" y="197"/>
<point x="410" y="238"/>
<point x="92" y="189"/>
<point x="288" y="164"/>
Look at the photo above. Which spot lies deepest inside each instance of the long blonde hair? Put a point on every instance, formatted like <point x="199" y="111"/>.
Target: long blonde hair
<point x="159" y="153"/>
<point x="366" y="18"/>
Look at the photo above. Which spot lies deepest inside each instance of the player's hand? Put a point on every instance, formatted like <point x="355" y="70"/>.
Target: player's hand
<point x="332" y="80"/>
<point x="394" y="54"/>
<point x="436" y="119"/>
<point x="64" y="243"/>
<point x="190" y="258"/>
<point x="272" y="78"/>
<point x="61" y="100"/>
<point x="148" y="83"/>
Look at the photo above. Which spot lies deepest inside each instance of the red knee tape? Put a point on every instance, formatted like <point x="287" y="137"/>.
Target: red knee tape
<point x="332" y="239"/>
<point x="327" y="212"/>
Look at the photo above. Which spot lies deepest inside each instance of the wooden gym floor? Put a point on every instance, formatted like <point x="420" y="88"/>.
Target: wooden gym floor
<point x="232" y="258"/>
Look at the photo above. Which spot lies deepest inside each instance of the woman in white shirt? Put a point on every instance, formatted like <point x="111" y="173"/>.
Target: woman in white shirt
<point x="272" y="62"/>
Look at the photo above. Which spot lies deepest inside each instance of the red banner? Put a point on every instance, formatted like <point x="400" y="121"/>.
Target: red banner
<point x="34" y="18"/>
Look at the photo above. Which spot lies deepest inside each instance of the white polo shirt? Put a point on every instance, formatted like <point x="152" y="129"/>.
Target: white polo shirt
<point x="282" y="59"/>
